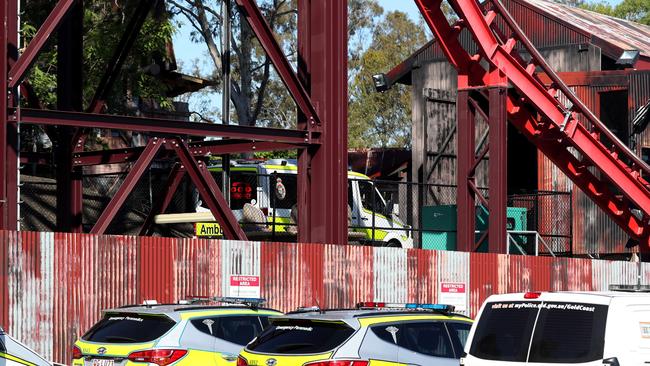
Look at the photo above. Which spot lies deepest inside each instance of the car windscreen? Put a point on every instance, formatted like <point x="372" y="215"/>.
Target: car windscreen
<point x="128" y="328"/>
<point x="564" y="332"/>
<point x="301" y="337"/>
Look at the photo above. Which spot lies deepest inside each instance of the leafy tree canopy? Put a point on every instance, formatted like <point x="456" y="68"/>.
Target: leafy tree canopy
<point x="383" y="119"/>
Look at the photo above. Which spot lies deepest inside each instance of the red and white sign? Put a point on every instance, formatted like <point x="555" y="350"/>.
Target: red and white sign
<point x="453" y="293"/>
<point x="244" y="286"/>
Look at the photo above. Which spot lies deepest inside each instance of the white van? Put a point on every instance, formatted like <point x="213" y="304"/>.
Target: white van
<point x="252" y="183"/>
<point x="561" y="328"/>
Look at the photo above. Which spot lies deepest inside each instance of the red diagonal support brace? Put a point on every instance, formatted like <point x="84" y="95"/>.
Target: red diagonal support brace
<point x="209" y="191"/>
<point x="125" y="189"/>
<point x="264" y="34"/>
<point x="18" y="71"/>
<point x="160" y="206"/>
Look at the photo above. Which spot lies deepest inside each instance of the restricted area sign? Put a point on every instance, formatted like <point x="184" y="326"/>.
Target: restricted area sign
<point x="208" y="229"/>
<point x="453" y="293"/>
<point x="244" y="286"/>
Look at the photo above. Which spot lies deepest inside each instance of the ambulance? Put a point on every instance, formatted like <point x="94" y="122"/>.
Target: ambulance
<point x="271" y="186"/>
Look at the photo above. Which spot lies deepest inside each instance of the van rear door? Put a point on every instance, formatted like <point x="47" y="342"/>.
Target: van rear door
<point x="541" y="332"/>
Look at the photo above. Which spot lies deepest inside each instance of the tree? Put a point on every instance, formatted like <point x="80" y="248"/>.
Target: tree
<point x="383" y="119"/>
<point x="257" y="95"/>
<point x="104" y="24"/>
<point x="633" y="10"/>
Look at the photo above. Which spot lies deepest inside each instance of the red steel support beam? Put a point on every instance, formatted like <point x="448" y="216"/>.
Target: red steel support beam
<point x="164" y="126"/>
<point x="260" y="27"/>
<point x="322" y="181"/>
<point x="498" y="172"/>
<point x="4" y="245"/>
<point x="18" y="72"/>
<point x="69" y="188"/>
<point x="198" y="149"/>
<point x="160" y="206"/>
<point x="9" y="129"/>
<point x="153" y="146"/>
<point x="209" y="192"/>
<point x="466" y="198"/>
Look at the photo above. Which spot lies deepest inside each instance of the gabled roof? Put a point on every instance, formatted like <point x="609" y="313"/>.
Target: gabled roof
<point x="604" y="30"/>
<point x="536" y="17"/>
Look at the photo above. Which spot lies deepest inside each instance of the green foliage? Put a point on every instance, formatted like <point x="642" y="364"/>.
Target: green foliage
<point x="104" y="23"/>
<point x="267" y="155"/>
<point x="634" y="10"/>
<point x="383" y="119"/>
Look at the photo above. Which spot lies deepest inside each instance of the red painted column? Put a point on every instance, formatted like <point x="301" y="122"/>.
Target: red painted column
<point x="69" y="98"/>
<point x="322" y="181"/>
<point x="465" y="197"/>
<point x="498" y="173"/>
<point x="9" y="128"/>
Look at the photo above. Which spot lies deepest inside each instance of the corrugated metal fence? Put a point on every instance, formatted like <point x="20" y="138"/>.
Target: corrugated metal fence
<point x="54" y="285"/>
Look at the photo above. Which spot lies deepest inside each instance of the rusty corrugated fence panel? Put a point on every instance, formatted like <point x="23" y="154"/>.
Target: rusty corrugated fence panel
<point x="422" y="276"/>
<point x="347" y="275"/>
<point x="57" y="284"/>
<point x="390" y="274"/>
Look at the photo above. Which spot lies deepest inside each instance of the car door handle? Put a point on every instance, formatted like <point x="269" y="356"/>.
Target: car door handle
<point x="364" y="218"/>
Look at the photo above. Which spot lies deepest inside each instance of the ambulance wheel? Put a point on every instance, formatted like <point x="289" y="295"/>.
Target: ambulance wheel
<point x="394" y="243"/>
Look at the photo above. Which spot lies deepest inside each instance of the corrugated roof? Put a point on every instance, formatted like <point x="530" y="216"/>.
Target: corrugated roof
<point x="612" y="35"/>
<point x="622" y="34"/>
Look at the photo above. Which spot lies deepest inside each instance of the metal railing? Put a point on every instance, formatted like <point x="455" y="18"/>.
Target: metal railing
<point x="537" y="239"/>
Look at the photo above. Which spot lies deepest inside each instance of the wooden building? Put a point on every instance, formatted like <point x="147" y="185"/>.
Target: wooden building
<point x="605" y="60"/>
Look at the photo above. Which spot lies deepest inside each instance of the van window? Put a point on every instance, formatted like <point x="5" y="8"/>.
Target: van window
<point x="301" y="337"/>
<point x="128" y="328"/>
<point x="236" y="329"/>
<point x="569" y="335"/>
<point x="243" y="187"/>
<point x="564" y="332"/>
<point x="371" y="198"/>
<point x="290" y="182"/>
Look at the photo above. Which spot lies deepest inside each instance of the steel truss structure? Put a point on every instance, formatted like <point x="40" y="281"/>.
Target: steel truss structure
<point x="509" y="89"/>
<point x="319" y="89"/>
<point x="553" y="118"/>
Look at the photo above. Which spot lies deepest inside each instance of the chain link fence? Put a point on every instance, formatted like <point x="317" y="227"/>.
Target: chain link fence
<point x="380" y="213"/>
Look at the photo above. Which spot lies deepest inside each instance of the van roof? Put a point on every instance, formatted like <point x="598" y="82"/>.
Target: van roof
<point x="276" y="164"/>
<point x="577" y="296"/>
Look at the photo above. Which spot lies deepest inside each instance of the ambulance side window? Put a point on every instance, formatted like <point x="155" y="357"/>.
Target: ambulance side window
<point x="371" y="198"/>
<point x="350" y="195"/>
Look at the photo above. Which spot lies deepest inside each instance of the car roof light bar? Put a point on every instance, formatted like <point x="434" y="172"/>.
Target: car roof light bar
<point x="253" y="302"/>
<point x="408" y="306"/>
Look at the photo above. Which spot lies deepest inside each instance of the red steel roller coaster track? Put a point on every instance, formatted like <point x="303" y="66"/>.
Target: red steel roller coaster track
<point x="552" y="118"/>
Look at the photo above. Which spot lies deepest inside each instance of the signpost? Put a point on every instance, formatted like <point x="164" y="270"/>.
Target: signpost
<point x="453" y="293"/>
<point x="244" y="286"/>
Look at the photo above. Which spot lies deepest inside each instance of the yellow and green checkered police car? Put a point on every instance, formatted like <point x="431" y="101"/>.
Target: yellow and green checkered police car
<point x="374" y="334"/>
<point x="172" y="334"/>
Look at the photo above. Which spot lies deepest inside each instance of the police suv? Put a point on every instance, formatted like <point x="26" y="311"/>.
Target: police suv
<point x="374" y="334"/>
